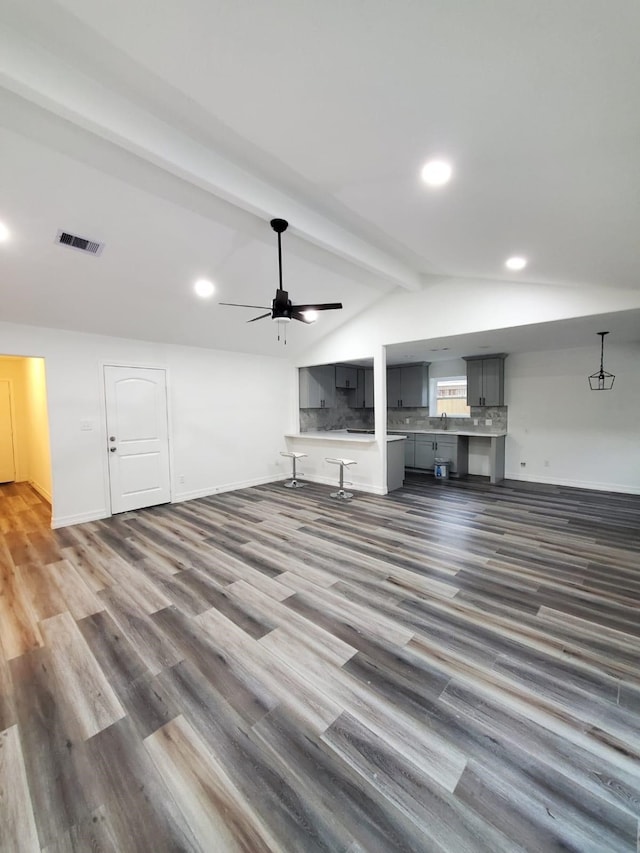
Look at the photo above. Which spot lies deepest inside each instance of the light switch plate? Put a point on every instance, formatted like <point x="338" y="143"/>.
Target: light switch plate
<point x="86" y="425"/>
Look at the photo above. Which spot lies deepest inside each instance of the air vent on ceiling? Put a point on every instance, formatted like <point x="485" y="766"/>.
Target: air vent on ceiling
<point x="80" y="243"/>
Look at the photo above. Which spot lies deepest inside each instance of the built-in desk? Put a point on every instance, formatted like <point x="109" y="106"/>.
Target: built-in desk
<point x="496" y="443"/>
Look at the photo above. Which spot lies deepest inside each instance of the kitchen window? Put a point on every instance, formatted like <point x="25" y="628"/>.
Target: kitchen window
<point x="449" y="396"/>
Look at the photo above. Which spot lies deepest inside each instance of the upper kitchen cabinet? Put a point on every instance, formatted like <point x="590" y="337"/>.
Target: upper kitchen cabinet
<point x="346" y="376"/>
<point x="368" y="388"/>
<point x="485" y="380"/>
<point x="363" y="396"/>
<point x="317" y="387"/>
<point x="408" y="386"/>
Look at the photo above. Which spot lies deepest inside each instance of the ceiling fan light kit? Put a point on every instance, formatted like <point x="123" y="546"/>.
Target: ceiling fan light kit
<point x="282" y="309"/>
<point x="601" y="380"/>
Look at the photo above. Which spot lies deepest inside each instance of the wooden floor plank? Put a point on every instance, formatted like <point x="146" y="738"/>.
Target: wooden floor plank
<point x="89" y="699"/>
<point x="453" y="667"/>
<point x="58" y="769"/>
<point x="215" y="810"/>
<point x="17" y="823"/>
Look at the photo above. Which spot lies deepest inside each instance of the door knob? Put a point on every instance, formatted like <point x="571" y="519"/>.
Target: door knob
<point x="113" y="449"/>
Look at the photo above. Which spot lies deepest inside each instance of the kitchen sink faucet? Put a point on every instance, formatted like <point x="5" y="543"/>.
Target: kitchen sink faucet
<point x="443" y="420"/>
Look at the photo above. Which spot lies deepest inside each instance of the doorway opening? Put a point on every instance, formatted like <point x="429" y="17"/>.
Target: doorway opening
<point x="25" y="454"/>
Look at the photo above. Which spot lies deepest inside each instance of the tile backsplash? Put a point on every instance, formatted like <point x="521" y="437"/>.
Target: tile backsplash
<point x="419" y="419"/>
<point x="340" y="416"/>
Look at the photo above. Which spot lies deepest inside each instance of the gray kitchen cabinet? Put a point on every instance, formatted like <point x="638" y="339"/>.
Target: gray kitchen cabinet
<point x="393" y="387"/>
<point x="425" y="452"/>
<point x="432" y="446"/>
<point x="368" y="388"/>
<point x="363" y="396"/>
<point x="485" y="380"/>
<point x="408" y="386"/>
<point x="317" y="387"/>
<point x="410" y="451"/>
<point x="346" y="376"/>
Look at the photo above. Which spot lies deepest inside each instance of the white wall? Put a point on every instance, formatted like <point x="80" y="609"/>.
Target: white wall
<point x="458" y="307"/>
<point x="566" y="433"/>
<point x="228" y="414"/>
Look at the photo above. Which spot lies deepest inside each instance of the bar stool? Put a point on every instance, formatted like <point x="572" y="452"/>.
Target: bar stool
<point x="343" y="463"/>
<point x="293" y="483"/>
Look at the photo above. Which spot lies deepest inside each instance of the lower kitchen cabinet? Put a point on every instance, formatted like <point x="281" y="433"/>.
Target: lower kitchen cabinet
<point x="425" y="452"/>
<point x="432" y="446"/>
<point x="410" y="451"/>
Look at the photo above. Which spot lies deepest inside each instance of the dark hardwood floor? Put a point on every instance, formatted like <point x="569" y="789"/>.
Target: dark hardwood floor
<point x="454" y="667"/>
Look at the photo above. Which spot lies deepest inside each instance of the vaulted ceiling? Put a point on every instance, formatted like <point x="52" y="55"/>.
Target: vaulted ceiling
<point x="173" y="131"/>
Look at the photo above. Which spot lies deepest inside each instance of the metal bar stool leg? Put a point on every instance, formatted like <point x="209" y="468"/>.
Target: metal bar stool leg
<point x="341" y="494"/>
<point x="293" y="483"/>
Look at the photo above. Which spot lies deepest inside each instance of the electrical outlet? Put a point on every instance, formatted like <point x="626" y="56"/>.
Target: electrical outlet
<point x="86" y="425"/>
<point x="476" y="422"/>
<point x="181" y="479"/>
<point x="488" y="421"/>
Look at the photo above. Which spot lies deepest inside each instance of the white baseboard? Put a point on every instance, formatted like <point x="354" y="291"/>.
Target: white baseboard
<point x="260" y="481"/>
<point x="332" y="482"/>
<point x="80" y="518"/>
<point x="225" y="487"/>
<point x="96" y="515"/>
<point x="41" y="491"/>
<point x="575" y="484"/>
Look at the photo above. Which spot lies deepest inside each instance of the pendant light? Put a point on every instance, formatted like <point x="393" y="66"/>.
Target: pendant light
<point x="601" y="381"/>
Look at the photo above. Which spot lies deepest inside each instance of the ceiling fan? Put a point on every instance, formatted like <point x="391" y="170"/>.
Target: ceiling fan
<point x="282" y="309"/>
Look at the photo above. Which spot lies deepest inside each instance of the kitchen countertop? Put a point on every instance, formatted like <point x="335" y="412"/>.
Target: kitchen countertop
<point x="342" y="435"/>
<point x="448" y="432"/>
<point x="392" y="435"/>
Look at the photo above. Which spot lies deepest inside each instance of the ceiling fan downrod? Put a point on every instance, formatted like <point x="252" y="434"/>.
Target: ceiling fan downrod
<point x="279" y="226"/>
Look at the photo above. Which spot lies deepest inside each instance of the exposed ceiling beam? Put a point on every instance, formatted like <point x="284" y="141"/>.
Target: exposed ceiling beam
<point x="42" y="78"/>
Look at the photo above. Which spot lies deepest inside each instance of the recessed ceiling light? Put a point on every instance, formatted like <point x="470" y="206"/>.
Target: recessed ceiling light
<point x="436" y="173"/>
<point x="311" y="316"/>
<point x="4" y="232"/>
<point x="516" y="263"/>
<point x="204" y="288"/>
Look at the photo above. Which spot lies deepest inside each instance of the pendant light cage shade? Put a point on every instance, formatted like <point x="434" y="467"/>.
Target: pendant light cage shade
<point x="601" y="380"/>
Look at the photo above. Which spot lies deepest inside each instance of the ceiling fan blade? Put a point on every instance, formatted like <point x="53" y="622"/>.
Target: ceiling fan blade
<point x="236" y="305"/>
<point x="296" y="315"/>
<point x="327" y="306"/>
<point x="261" y="317"/>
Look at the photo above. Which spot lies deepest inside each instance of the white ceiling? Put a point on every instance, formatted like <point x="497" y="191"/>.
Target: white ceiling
<point x="623" y="328"/>
<point x="174" y="131"/>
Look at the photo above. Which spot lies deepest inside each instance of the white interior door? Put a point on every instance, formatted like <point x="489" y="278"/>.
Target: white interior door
<point x="137" y="437"/>
<point x="7" y="458"/>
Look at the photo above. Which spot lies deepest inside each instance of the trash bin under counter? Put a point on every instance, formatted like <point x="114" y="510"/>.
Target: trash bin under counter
<point x="441" y="469"/>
